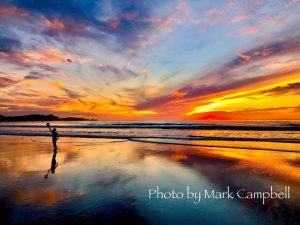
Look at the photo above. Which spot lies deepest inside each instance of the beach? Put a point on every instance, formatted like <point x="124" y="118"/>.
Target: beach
<point x="107" y="180"/>
<point x="173" y="112"/>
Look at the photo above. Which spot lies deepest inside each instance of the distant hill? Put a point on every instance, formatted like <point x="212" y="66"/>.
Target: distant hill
<point x="38" y="117"/>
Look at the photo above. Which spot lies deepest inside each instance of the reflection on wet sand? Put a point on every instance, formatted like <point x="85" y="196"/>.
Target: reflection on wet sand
<point x="104" y="182"/>
<point x="54" y="165"/>
<point x="253" y="171"/>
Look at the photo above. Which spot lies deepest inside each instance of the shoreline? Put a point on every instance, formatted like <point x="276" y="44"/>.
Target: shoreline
<point x="142" y="140"/>
<point x="191" y="138"/>
<point x="166" y="126"/>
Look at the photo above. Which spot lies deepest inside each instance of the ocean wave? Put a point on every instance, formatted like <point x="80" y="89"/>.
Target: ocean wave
<point x="189" y="137"/>
<point x="284" y="127"/>
<point x="212" y="145"/>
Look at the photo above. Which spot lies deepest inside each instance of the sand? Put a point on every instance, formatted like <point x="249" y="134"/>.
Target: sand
<point x="103" y="181"/>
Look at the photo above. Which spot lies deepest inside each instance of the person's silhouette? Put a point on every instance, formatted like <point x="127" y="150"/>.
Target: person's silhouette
<point x="55" y="136"/>
<point x="54" y="165"/>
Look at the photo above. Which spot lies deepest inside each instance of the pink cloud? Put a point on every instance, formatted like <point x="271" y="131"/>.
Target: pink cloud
<point x="196" y="21"/>
<point x="129" y="16"/>
<point x="168" y="22"/>
<point x="151" y="20"/>
<point x="114" y="23"/>
<point x="214" y="11"/>
<point x="240" y="18"/>
<point x="69" y="27"/>
<point x="247" y="30"/>
<point x="12" y="12"/>
<point x="183" y="7"/>
<point x="53" y="24"/>
<point x="213" y="16"/>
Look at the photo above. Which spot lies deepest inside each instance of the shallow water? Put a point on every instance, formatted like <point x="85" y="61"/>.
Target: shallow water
<point x="286" y="131"/>
<point x="105" y="181"/>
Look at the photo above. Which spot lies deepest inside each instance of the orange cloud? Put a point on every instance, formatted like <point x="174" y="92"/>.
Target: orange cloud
<point x="277" y="98"/>
<point x="26" y="58"/>
<point x="47" y="55"/>
<point x="178" y="94"/>
<point x="244" y="56"/>
<point x="53" y="24"/>
<point x="50" y="55"/>
<point x="6" y="81"/>
<point x="145" y="71"/>
<point x="102" y="107"/>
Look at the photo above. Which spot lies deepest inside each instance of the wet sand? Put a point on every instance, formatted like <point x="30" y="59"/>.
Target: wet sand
<point x="105" y="181"/>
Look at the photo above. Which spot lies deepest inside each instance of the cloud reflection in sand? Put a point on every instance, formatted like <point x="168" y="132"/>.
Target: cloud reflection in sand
<point x="101" y="177"/>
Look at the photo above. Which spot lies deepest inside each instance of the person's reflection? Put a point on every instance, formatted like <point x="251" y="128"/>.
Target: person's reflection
<point x="54" y="165"/>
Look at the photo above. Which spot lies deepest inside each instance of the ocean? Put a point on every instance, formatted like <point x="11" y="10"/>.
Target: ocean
<point x="252" y="130"/>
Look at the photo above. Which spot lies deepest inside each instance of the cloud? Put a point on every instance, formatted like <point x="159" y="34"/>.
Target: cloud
<point x="6" y="82"/>
<point x="214" y="11"/>
<point x="8" y="44"/>
<point x="15" y="57"/>
<point x="232" y="75"/>
<point x="43" y="41"/>
<point x="11" y="51"/>
<point x="268" y="109"/>
<point x="151" y="20"/>
<point x="71" y="94"/>
<point x="11" y="12"/>
<point x="119" y="73"/>
<point x="248" y="114"/>
<point x="48" y="68"/>
<point x="244" y="56"/>
<point x="248" y="30"/>
<point x="268" y="50"/>
<point x="47" y="55"/>
<point x="92" y="19"/>
<point x="213" y="16"/>
<point x="55" y="27"/>
<point x="190" y="91"/>
<point x="292" y="88"/>
<point x="240" y="18"/>
<point x="35" y="76"/>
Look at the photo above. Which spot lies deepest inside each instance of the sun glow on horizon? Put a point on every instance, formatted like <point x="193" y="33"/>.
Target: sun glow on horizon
<point x="228" y="103"/>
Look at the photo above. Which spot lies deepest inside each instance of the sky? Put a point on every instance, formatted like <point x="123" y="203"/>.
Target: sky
<point x="151" y="60"/>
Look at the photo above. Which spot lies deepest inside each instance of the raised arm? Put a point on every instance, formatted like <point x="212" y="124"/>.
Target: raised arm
<point x="50" y="129"/>
<point x="48" y="125"/>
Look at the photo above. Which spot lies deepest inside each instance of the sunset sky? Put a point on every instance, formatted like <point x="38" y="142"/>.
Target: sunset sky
<point x="151" y="60"/>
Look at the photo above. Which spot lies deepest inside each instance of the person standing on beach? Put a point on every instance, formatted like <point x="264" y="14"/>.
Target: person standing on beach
<point x="55" y="136"/>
